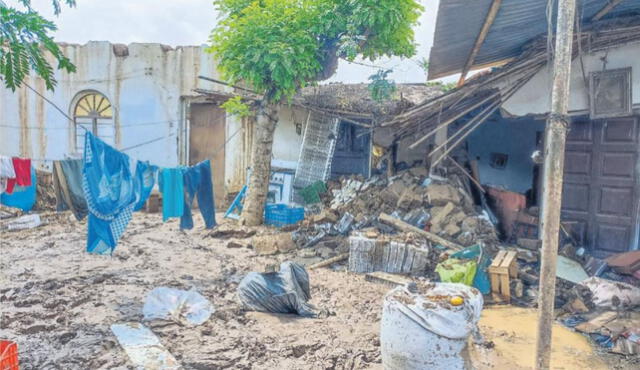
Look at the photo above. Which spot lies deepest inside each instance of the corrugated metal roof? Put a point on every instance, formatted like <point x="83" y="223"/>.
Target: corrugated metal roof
<point x="517" y="22"/>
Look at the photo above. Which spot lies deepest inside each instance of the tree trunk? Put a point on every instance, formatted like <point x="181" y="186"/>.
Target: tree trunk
<point x="258" y="187"/>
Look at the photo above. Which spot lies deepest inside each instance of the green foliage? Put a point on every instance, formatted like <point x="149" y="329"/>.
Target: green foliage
<point x="423" y="63"/>
<point x="235" y="106"/>
<point x="444" y="86"/>
<point x="280" y="46"/>
<point x="381" y="88"/>
<point x="25" y="42"/>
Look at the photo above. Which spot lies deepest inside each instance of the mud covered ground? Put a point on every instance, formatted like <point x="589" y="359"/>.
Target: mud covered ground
<point x="58" y="302"/>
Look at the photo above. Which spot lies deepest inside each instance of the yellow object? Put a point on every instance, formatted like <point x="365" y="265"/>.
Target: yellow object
<point x="377" y="151"/>
<point x="457" y="301"/>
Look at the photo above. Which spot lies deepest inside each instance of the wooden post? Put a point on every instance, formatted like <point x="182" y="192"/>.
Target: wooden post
<point x="555" y="136"/>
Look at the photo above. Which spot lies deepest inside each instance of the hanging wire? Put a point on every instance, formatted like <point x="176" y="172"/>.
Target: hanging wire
<point x="131" y="125"/>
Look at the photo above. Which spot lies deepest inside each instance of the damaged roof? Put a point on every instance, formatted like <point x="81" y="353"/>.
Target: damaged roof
<point x="355" y="100"/>
<point x="516" y="23"/>
<point x="486" y="92"/>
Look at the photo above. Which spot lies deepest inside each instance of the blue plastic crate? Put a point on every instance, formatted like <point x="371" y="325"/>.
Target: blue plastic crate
<point x="280" y="215"/>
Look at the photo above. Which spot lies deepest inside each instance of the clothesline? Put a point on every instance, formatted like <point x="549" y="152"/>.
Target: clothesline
<point x="142" y="144"/>
<point x="67" y="128"/>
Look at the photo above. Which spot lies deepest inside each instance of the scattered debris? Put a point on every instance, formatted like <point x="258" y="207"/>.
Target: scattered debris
<point x="184" y="307"/>
<point x="143" y="347"/>
<point x="24" y="222"/>
<point x="273" y="243"/>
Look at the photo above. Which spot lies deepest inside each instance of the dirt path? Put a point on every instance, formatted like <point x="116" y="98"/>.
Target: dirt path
<point x="58" y="302"/>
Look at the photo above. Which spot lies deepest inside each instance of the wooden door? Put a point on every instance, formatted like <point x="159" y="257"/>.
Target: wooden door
<point x="601" y="184"/>
<point x="207" y="141"/>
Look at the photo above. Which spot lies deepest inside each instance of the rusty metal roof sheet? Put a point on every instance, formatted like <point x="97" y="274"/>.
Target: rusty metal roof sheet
<point x="517" y="22"/>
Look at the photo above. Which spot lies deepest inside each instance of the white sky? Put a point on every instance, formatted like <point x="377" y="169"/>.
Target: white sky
<point x="188" y="22"/>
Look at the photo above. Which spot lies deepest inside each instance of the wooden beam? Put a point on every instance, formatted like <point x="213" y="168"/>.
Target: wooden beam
<point x="484" y="31"/>
<point x="330" y="261"/>
<point x="554" y="148"/>
<point x="403" y="226"/>
<point x="606" y="10"/>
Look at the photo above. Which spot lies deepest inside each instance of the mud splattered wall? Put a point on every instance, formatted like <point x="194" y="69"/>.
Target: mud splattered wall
<point x="144" y="83"/>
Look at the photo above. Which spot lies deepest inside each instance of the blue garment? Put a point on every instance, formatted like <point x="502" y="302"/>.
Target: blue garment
<point x="23" y="198"/>
<point x="145" y="179"/>
<point x="110" y="190"/>
<point x="172" y="188"/>
<point x="197" y="180"/>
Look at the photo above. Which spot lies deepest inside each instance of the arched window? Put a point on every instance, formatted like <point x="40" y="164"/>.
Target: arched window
<point x="94" y="112"/>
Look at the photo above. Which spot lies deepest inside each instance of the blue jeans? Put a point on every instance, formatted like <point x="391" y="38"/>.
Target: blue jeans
<point x="197" y="181"/>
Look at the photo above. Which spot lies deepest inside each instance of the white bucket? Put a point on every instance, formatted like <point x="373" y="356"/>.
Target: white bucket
<point x="421" y="329"/>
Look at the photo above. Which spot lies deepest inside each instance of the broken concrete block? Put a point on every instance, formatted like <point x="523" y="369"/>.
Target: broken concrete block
<point x="273" y="244"/>
<point x="451" y="229"/>
<point x="389" y="197"/>
<point x="369" y="255"/>
<point x="440" y="195"/>
<point x="470" y="224"/>
<point x="439" y="214"/>
<point x="532" y="244"/>
<point x="365" y="254"/>
<point x="457" y="217"/>
<point x="326" y="216"/>
<point x="409" y="200"/>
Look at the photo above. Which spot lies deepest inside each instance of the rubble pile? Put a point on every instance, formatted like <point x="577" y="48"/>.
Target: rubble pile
<point x="433" y="204"/>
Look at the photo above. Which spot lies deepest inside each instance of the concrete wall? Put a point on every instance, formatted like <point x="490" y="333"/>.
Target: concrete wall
<point x="535" y="96"/>
<point x="517" y="139"/>
<point x="149" y="86"/>
<point x="144" y="88"/>
<point x="287" y="142"/>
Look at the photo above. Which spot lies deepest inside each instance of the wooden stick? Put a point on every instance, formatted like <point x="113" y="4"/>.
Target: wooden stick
<point x="484" y="31"/>
<point x="453" y="119"/>
<point x="480" y="118"/>
<point x="403" y="226"/>
<point x="473" y="180"/>
<point x="330" y="261"/>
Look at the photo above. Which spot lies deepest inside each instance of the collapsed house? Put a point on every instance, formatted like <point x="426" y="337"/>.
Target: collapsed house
<point x="494" y="123"/>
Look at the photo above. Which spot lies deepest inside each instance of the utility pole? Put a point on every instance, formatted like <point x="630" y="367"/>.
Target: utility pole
<point x="554" y="146"/>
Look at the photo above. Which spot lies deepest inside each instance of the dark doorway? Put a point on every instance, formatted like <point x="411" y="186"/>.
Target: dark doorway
<point x="207" y="140"/>
<point x="601" y="184"/>
<point x="353" y="149"/>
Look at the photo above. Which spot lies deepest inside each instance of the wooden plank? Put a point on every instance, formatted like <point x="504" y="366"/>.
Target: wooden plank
<point x="403" y="226"/>
<point x="605" y="10"/>
<point x="330" y="261"/>
<point x="484" y="31"/>
<point x="385" y="277"/>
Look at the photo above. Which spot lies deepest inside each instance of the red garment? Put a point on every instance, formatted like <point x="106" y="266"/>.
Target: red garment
<point x="23" y="174"/>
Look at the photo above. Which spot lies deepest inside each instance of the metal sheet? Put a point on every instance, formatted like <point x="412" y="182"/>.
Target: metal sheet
<point x="517" y="22"/>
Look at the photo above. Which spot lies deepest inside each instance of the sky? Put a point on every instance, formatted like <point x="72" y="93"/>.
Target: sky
<point x="189" y="22"/>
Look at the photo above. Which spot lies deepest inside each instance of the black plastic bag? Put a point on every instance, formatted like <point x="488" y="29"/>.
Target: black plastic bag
<point x="286" y="291"/>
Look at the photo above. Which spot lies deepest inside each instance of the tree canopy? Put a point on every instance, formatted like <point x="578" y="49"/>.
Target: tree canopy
<point x="25" y="40"/>
<point x="280" y="46"/>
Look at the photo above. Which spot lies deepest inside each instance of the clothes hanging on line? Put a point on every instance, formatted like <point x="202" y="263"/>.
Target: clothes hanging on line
<point x="197" y="182"/>
<point x="6" y="172"/>
<point x="172" y="189"/>
<point x="22" y="197"/>
<point x="67" y="182"/>
<point x="22" y="168"/>
<point x="145" y="179"/>
<point x="110" y="191"/>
